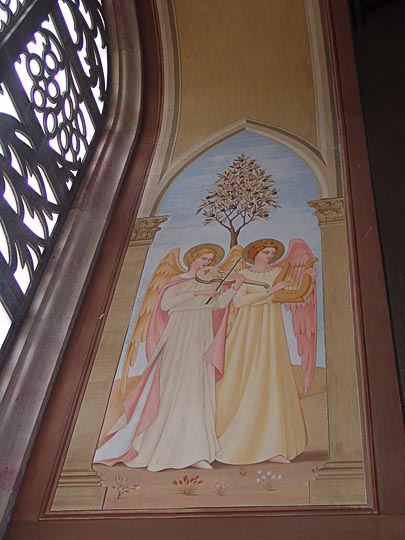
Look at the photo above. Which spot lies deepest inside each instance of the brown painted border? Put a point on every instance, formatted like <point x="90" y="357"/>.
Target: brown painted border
<point x="381" y="389"/>
<point x="381" y="398"/>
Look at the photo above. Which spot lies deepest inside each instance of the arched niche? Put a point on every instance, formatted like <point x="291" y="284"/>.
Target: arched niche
<point x="326" y="182"/>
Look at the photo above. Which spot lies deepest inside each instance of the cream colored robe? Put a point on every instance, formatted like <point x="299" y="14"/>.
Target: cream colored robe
<point x="258" y="410"/>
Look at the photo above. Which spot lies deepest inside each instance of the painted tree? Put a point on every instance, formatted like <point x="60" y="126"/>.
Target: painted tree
<point x="243" y="193"/>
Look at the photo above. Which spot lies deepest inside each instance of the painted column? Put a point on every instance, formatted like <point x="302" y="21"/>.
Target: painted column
<point x="341" y="478"/>
<point x="79" y="486"/>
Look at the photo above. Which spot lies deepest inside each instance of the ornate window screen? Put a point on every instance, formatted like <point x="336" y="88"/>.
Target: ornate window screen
<point x="53" y="82"/>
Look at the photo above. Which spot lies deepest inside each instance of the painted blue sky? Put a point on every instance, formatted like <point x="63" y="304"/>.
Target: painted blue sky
<point x="295" y="184"/>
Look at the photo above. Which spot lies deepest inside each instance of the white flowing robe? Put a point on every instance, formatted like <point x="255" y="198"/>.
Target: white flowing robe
<point x="183" y="432"/>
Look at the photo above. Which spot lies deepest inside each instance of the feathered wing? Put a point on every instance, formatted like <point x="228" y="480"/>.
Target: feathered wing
<point x="304" y="314"/>
<point x="168" y="267"/>
<point x="233" y="257"/>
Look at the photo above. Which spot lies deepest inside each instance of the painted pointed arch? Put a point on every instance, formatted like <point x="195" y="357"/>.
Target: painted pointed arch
<point x="326" y="183"/>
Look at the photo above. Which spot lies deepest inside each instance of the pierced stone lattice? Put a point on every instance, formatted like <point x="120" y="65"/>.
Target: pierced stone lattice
<point x="52" y="96"/>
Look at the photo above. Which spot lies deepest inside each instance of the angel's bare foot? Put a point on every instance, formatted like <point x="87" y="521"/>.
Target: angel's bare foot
<point x="279" y="459"/>
<point x="202" y="465"/>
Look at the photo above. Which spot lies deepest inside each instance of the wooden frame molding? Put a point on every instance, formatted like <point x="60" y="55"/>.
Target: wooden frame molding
<point x="380" y="392"/>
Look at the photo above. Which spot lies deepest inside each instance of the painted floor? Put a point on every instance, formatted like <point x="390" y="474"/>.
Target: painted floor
<point x="223" y="486"/>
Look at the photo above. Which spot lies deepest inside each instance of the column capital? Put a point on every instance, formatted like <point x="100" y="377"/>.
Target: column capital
<point x="145" y="229"/>
<point x="329" y="211"/>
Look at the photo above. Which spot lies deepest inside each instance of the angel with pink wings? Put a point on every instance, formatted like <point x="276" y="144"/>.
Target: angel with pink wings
<point x="259" y="416"/>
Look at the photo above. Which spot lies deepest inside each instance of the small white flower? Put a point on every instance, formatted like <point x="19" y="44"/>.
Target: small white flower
<point x="258" y="480"/>
<point x="259" y="471"/>
<point x="279" y="477"/>
<point x="263" y="477"/>
<point x="269" y="473"/>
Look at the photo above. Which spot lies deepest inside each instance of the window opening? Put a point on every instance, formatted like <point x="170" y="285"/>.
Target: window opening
<point x="53" y="89"/>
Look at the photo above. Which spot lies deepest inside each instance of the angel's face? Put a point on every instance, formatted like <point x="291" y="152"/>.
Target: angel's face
<point x="266" y="254"/>
<point x="202" y="261"/>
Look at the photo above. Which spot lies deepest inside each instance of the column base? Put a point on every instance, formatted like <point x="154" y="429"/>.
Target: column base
<point x="79" y="490"/>
<point x="338" y="482"/>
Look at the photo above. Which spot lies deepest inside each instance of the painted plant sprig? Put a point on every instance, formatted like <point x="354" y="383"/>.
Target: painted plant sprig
<point x="220" y="488"/>
<point x="267" y="480"/>
<point x="122" y="487"/>
<point x="187" y="485"/>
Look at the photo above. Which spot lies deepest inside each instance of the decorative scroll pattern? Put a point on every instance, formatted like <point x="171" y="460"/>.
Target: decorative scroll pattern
<point x="52" y="97"/>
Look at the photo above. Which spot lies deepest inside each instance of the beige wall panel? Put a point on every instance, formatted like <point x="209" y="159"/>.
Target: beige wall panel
<point x="255" y="65"/>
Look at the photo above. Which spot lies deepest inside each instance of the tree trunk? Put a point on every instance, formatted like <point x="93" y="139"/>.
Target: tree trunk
<point x="234" y="238"/>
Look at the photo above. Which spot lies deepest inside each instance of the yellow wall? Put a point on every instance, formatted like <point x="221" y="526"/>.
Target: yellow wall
<point x="256" y="65"/>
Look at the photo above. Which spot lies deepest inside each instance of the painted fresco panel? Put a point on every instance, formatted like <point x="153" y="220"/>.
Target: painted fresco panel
<point x="211" y="415"/>
<point x="226" y="373"/>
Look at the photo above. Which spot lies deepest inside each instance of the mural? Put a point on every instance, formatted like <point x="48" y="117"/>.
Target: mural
<point x="222" y="366"/>
<point x="208" y="389"/>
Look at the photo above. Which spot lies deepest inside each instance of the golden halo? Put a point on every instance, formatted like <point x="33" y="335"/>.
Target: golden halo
<point x="200" y="249"/>
<point x="252" y="249"/>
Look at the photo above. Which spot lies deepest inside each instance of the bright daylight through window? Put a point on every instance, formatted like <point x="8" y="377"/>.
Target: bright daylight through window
<point x="53" y="84"/>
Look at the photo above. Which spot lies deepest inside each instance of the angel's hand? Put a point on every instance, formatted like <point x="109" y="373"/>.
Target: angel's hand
<point x="239" y="280"/>
<point x="282" y="285"/>
<point x="312" y="272"/>
<point x="211" y="293"/>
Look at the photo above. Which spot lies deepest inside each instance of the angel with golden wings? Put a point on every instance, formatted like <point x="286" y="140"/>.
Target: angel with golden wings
<point x="169" y="419"/>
